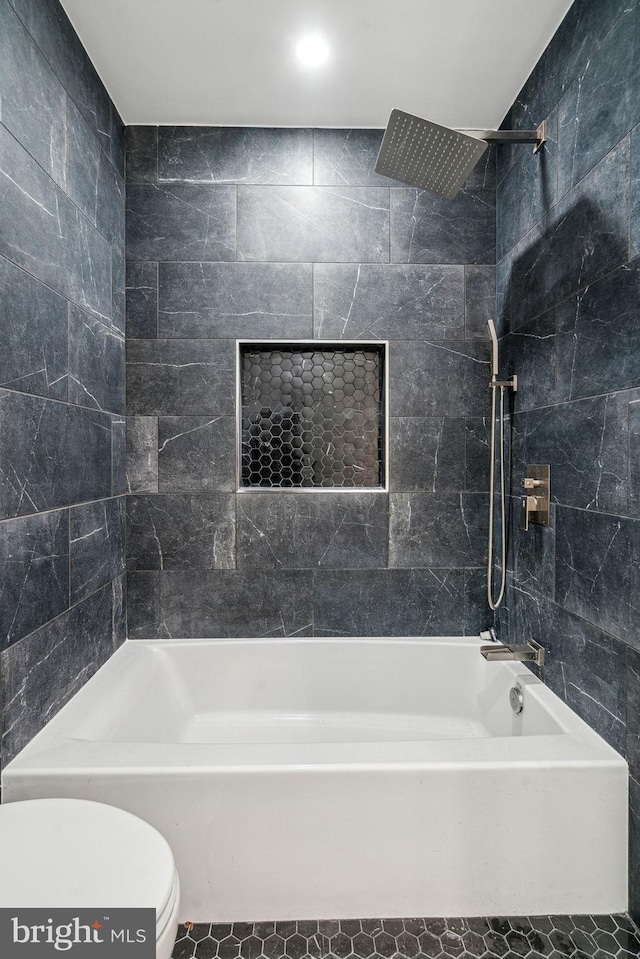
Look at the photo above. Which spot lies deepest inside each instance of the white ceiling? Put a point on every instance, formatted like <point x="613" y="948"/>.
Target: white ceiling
<point x="232" y="62"/>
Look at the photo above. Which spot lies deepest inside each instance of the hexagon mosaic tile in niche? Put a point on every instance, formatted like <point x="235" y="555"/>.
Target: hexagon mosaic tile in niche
<point x="312" y="415"/>
<point x="581" y="937"/>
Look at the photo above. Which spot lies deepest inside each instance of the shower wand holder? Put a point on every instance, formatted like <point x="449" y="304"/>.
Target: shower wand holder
<point x="510" y="384"/>
<point x="535" y="506"/>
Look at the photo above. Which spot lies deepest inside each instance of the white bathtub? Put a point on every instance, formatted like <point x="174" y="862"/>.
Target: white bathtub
<point x="345" y="778"/>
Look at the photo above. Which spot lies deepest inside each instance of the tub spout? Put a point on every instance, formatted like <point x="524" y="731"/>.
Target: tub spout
<point x="531" y="653"/>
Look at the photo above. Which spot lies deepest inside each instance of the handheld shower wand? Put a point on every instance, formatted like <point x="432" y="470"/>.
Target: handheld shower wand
<point x="511" y="383"/>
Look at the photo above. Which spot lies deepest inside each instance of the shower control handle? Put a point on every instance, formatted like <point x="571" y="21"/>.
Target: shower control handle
<point x="536" y="507"/>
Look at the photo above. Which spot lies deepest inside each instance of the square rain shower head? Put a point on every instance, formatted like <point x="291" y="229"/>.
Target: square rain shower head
<point x="426" y="155"/>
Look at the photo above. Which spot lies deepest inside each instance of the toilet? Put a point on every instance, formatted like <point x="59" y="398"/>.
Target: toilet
<point x="72" y="853"/>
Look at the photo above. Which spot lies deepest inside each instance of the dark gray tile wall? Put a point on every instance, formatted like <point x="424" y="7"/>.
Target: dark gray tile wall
<point x="568" y="295"/>
<point x="277" y="234"/>
<point x="62" y="462"/>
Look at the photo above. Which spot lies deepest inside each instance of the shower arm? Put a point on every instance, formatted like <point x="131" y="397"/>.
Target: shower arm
<point x="538" y="136"/>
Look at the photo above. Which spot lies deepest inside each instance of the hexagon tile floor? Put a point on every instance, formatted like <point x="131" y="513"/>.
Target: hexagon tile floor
<point x="531" y="937"/>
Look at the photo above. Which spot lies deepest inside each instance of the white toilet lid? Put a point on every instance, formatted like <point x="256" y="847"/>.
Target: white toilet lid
<point x="72" y="852"/>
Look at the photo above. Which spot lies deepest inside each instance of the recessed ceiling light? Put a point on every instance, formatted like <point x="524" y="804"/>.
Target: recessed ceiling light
<point x="312" y="51"/>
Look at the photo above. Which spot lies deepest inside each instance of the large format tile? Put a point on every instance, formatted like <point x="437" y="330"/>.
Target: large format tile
<point x="603" y="104"/>
<point x="142" y="300"/>
<point x="196" y="454"/>
<point x="388" y="301"/>
<point x="33" y="99"/>
<point x="181" y="221"/>
<point x="141" y="154"/>
<point x="52" y="31"/>
<point x="142" y="454"/>
<point x="347" y="158"/>
<point x="44" y="670"/>
<point x="635" y="192"/>
<point x="96" y="544"/>
<point x="426" y="228"/>
<point x="312" y="530"/>
<point x="34" y="573"/>
<point x="180" y="377"/>
<point x="236" y="603"/>
<point x="634" y="456"/>
<point x="118" y="305"/>
<point x="143" y="605"/>
<point x="179" y="531"/>
<point x="599" y="336"/>
<point x="480" y="300"/>
<point x="440" y="378"/>
<point x="118" y="456"/>
<point x="52" y="454"/>
<point x="313" y="224"/>
<point x="389" y="602"/>
<point x="44" y="232"/>
<point x="530" y="352"/>
<point x="586" y="445"/>
<point x="96" y="363"/>
<point x="426" y="453"/>
<point x="585" y="236"/>
<point x="33" y="318"/>
<point x="597" y="570"/>
<point x="437" y="530"/>
<point x="235" y="299"/>
<point x="235" y="155"/>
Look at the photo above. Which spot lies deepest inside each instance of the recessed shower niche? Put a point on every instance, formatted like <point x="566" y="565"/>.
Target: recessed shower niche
<point x="312" y="414"/>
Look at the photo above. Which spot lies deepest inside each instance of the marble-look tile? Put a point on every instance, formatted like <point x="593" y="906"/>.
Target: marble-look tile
<point x="347" y="158"/>
<point x="109" y="203"/>
<point x="142" y="454"/>
<point x="142" y="300"/>
<point x="34" y="573"/>
<point x="634" y="457"/>
<point x="44" y="670"/>
<point x="118" y="131"/>
<point x="535" y="555"/>
<point x="586" y="445"/>
<point x="96" y="545"/>
<point x="446" y="530"/>
<point x="52" y="454"/>
<point x="52" y="31"/>
<point x="118" y="456"/>
<point x="236" y="300"/>
<point x="33" y="318"/>
<point x="585" y="236"/>
<point x="322" y="530"/>
<point x="504" y="282"/>
<point x="96" y="363"/>
<point x="181" y="221"/>
<point x="180" y="377"/>
<point x="82" y="156"/>
<point x="597" y="570"/>
<point x="530" y="352"/>
<point x="634" y="848"/>
<point x="601" y="107"/>
<point x="584" y="666"/>
<point x="33" y="99"/>
<point x="44" y="232"/>
<point x="599" y="336"/>
<point x="426" y="228"/>
<point x="635" y="193"/>
<point x="141" y="154"/>
<point x="313" y="224"/>
<point x="426" y="454"/>
<point x="118" y="264"/>
<point x="143" y="605"/>
<point x="479" y="300"/>
<point x="477" y="453"/>
<point x="477" y="615"/>
<point x="180" y="531"/>
<point x="633" y="713"/>
<point x="235" y="155"/>
<point x="196" y="454"/>
<point x="389" y="602"/>
<point x="483" y="175"/>
<point x="119" y="612"/>
<point x="388" y="302"/>
<point x="237" y="603"/>
<point x="446" y="378"/>
<point x="528" y="191"/>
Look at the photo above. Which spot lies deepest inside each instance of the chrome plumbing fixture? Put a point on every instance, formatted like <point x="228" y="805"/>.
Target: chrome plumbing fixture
<point x="436" y="158"/>
<point x="530" y="653"/>
<point x="535" y="505"/>
<point x="503" y="385"/>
